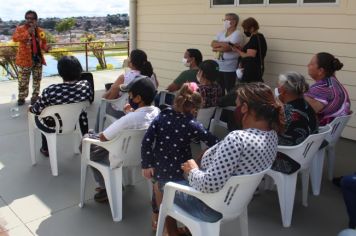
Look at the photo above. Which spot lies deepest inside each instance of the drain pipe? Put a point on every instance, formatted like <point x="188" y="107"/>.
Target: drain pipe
<point x="133" y="24"/>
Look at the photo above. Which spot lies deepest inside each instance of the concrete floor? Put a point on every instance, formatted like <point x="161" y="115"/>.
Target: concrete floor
<point x="33" y="202"/>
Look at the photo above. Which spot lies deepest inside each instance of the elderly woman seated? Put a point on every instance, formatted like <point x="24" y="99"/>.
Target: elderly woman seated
<point x="72" y="90"/>
<point x="261" y="118"/>
<point x="300" y="118"/>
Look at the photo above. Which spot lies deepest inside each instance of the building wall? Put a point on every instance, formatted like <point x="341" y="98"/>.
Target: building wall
<point x="294" y="34"/>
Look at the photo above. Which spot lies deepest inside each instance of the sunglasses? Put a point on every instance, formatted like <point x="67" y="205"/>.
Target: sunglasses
<point x="30" y="18"/>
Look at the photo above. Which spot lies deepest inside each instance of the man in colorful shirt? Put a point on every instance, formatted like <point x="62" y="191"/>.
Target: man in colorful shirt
<point x="29" y="58"/>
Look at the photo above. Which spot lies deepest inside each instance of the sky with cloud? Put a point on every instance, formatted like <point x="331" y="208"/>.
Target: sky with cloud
<point x="15" y="9"/>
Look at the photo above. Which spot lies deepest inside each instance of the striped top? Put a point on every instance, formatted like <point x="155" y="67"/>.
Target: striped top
<point x="330" y="92"/>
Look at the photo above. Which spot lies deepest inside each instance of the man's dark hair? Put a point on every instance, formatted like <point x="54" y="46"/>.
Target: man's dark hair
<point x="143" y="87"/>
<point x="31" y="12"/>
<point x="196" y="54"/>
<point x="69" y="68"/>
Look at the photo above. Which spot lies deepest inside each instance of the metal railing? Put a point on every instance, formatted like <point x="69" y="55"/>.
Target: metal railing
<point x="84" y="47"/>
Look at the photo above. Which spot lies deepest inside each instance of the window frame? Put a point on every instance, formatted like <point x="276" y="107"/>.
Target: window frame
<point x="266" y="3"/>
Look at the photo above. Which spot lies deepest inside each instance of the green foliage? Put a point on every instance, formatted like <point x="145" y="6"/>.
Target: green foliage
<point x="8" y="53"/>
<point x="108" y="67"/>
<point x="50" y="38"/>
<point x="58" y="53"/>
<point x="65" y="25"/>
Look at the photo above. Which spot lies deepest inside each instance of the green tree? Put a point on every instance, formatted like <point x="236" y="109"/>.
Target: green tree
<point x="66" y="25"/>
<point x="50" y="38"/>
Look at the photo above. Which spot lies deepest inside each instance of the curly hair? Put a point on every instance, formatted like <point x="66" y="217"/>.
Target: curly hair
<point x="187" y="99"/>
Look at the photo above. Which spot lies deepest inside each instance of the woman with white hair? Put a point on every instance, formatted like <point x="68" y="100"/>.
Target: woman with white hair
<point x="301" y="119"/>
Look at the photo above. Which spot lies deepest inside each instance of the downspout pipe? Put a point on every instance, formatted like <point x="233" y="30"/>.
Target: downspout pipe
<point x="133" y="24"/>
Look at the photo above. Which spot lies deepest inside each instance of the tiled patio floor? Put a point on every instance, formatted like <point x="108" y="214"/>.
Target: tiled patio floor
<point x="33" y="202"/>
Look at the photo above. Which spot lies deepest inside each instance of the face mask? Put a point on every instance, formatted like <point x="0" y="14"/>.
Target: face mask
<point x="133" y="104"/>
<point x="185" y="62"/>
<point x="248" y="34"/>
<point x="276" y="92"/>
<point x="227" y="24"/>
<point x="238" y="116"/>
<point x="239" y="73"/>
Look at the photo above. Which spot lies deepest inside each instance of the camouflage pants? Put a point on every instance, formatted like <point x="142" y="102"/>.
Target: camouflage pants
<point x="24" y="80"/>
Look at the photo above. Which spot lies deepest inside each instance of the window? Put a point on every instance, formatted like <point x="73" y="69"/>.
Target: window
<point x="282" y="1"/>
<point x="319" y="1"/>
<point x="269" y="2"/>
<point x="223" y="2"/>
<point x="251" y="2"/>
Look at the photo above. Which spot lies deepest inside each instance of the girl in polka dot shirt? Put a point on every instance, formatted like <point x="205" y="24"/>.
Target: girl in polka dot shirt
<point x="166" y="144"/>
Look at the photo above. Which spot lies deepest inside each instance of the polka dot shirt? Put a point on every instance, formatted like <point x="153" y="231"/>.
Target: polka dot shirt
<point x="166" y="144"/>
<point x="242" y="152"/>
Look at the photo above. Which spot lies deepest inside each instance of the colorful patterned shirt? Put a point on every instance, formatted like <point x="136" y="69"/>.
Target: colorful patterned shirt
<point x="332" y="94"/>
<point x="210" y="94"/>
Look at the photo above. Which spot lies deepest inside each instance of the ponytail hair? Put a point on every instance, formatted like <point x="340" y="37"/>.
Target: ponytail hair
<point x="187" y="99"/>
<point x="138" y="59"/>
<point x="260" y="99"/>
<point x="329" y="63"/>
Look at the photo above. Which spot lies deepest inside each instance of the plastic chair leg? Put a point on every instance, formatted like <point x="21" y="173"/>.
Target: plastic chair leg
<point x="161" y="220"/>
<point x="52" y="149"/>
<point x="316" y="173"/>
<point x="243" y="221"/>
<point x="305" y="186"/>
<point x="83" y="176"/>
<point x="286" y="193"/>
<point x="113" y="185"/>
<point x="331" y="161"/>
<point x="76" y="142"/>
<point x="31" y="135"/>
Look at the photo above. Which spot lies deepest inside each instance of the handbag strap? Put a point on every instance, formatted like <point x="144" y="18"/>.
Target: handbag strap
<point x="259" y="50"/>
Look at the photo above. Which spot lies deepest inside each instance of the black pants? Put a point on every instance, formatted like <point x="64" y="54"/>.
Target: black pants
<point x="227" y="81"/>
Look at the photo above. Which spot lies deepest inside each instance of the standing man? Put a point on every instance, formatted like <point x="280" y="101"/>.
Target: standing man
<point x="29" y="58"/>
<point x="226" y="58"/>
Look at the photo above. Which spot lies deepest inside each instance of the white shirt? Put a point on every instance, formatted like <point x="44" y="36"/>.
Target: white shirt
<point x="130" y="75"/>
<point x="229" y="64"/>
<point x="139" y="119"/>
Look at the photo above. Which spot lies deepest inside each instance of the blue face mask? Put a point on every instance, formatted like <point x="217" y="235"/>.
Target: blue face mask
<point x="133" y="104"/>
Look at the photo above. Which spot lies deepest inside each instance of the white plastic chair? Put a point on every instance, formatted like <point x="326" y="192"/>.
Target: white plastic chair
<point x="124" y="151"/>
<point x="337" y="126"/>
<point x="231" y="201"/>
<point x="162" y="97"/>
<point x="216" y="121"/>
<point x="66" y="118"/>
<point x="286" y="184"/>
<point x="119" y="104"/>
<point x="204" y="116"/>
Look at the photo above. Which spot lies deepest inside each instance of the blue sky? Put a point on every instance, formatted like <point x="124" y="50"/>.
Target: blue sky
<point x="15" y="9"/>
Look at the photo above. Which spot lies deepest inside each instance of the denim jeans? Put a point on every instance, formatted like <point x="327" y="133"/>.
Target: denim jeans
<point x="348" y="187"/>
<point x="196" y="207"/>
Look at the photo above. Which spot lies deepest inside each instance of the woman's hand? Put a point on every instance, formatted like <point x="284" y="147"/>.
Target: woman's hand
<point x="148" y="173"/>
<point x="189" y="165"/>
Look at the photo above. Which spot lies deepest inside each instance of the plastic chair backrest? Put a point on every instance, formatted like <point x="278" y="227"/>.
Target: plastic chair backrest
<point x="125" y="149"/>
<point x="163" y="95"/>
<point x="305" y="151"/>
<point x="66" y="116"/>
<point x="204" y="115"/>
<point x="337" y="126"/>
<point x="232" y="199"/>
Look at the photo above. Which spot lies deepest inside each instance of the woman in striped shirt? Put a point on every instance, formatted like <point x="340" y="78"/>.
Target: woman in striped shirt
<point x="327" y="96"/>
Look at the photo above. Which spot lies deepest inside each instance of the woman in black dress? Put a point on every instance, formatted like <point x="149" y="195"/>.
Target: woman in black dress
<point x="253" y="53"/>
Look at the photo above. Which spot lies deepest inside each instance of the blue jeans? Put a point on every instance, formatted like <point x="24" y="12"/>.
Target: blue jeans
<point x="196" y="207"/>
<point x="348" y="187"/>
